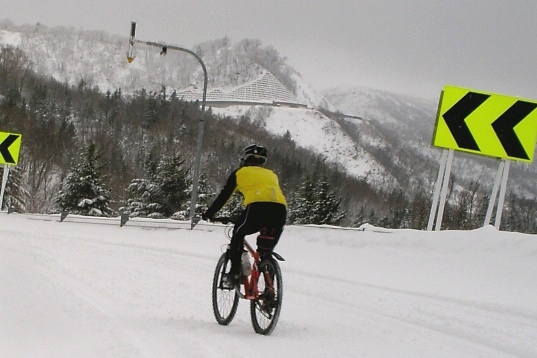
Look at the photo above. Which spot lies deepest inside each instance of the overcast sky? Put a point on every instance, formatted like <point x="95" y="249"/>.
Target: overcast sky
<point x="408" y="46"/>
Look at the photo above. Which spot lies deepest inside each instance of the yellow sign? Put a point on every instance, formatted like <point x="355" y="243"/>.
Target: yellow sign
<point x="486" y="124"/>
<point x="10" y="145"/>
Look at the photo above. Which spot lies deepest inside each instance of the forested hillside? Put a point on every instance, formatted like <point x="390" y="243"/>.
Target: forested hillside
<point x="139" y="134"/>
<point x="132" y="136"/>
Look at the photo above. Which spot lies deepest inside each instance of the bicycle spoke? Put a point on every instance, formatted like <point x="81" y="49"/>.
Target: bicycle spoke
<point x="265" y="311"/>
<point x="225" y="301"/>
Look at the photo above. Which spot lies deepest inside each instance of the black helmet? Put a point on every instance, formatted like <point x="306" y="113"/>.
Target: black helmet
<point x="254" y="155"/>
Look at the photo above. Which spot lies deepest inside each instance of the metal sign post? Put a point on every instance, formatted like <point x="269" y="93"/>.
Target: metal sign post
<point x="499" y="182"/>
<point x="4" y="182"/>
<point x="437" y="187"/>
<point x="440" y="191"/>
<point x="501" y="198"/>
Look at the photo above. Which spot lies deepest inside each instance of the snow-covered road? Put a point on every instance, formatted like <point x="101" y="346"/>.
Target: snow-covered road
<point x="82" y="289"/>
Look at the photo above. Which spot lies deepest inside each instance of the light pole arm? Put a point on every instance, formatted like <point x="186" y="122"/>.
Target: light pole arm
<point x="159" y="45"/>
<point x="197" y="163"/>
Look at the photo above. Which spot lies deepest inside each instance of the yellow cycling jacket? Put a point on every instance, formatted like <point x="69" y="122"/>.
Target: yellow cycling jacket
<point x="256" y="184"/>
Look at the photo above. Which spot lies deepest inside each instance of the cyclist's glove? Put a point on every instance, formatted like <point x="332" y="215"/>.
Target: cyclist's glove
<point x="206" y="217"/>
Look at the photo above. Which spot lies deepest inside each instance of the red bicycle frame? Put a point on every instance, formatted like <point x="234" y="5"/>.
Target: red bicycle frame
<point x="251" y="288"/>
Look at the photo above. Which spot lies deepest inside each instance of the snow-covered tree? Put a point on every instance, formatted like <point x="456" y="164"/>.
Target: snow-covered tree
<point x="139" y="202"/>
<point x="171" y="180"/>
<point x="301" y="203"/>
<point x="202" y="202"/>
<point x="234" y="207"/>
<point x="83" y="191"/>
<point x="15" y="194"/>
<point x="315" y="203"/>
<point x="326" y="207"/>
<point x="163" y="193"/>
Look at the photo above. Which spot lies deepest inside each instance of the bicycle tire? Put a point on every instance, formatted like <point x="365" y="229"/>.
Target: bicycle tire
<point x="225" y="301"/>
<point x="266" y="312"/>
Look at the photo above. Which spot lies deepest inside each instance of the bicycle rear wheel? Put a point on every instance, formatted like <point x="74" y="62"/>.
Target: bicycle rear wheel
<point x="225" y="301"/>
<point x="265" y="311"/>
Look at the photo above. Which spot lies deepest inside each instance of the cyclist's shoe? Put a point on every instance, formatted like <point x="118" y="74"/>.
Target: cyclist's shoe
<point x="267" y="306"/>
<point x="268" y="294"/>
<point x="269" y="299"/>
<point x="229" y="281"/>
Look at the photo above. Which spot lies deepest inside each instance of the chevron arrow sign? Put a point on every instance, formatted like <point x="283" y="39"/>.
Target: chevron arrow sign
<point x="10" y="145"/>
<point x="486" y="124"/>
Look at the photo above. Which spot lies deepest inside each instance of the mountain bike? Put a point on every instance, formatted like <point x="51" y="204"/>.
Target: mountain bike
<point x="261" y="284"/>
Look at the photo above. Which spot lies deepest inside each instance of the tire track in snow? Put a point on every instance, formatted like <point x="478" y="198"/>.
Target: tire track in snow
<point x="466" y="322"/>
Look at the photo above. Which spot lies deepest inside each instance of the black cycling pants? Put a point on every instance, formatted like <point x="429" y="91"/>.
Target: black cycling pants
<point x="267" y="218"/>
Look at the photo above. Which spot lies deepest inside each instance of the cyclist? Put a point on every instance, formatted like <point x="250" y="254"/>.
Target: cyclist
<point x="265" y="208"/>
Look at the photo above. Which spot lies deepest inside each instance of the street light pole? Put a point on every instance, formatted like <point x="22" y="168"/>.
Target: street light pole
<point x="195" y="178"/>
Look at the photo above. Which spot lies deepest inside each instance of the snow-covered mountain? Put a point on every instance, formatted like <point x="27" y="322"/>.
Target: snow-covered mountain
<point x="378" y="135"/>
<point x="407" y="124"/>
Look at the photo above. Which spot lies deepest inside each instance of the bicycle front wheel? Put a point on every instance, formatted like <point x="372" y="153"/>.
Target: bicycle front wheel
<point x="225" y="301"/>
<point x="265" y="310"/>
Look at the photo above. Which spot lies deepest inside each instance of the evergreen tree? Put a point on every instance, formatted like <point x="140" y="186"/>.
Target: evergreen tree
<point x="172" y="187"/>
<point x="83" y="191"/>
<point x="163" y="194"/>
<point x="420" y="206"/>
<point x="139" y="193"/>
<point x="234" y="207"/>
<point x="326" y="207"/>
<point x="520" y="215"/>
<point x="397" y="209"/>
<point x="315" y="203"/>
<point x="202" y="202"/>
<point x="15" y="194"/>
<point x="204" y="190"/>
<point x="301" y="203"/>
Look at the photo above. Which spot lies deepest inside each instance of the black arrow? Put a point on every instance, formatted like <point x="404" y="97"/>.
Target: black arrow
<point x="455" y="119"/>
<point x="4" y="148"/>
<point x="504" y="128"/>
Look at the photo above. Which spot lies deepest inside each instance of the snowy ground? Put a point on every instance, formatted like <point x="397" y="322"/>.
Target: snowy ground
<point x="81" y="289"/>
